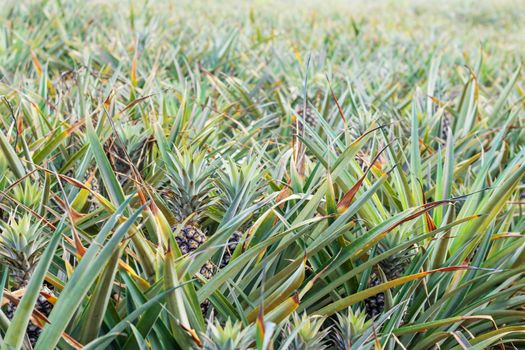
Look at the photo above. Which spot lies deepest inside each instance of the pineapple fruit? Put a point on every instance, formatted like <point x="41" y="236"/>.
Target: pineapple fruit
<point x="393" y="267"/>
<point x="306" y="115"/>
<point x="232" y="244"/>
<point x="189" y="240"/>
<point x="375" y="304"/>
<point x="446" y="125"/>
<point x="21" y="245"/>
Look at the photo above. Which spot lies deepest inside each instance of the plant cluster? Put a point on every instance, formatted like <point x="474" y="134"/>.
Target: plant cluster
<point x="261" y="176"/>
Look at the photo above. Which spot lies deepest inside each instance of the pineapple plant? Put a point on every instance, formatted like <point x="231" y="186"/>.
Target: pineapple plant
<point x="187" y="194"/>
<point x="21" y="244"/>
<point x="238" y="188"/>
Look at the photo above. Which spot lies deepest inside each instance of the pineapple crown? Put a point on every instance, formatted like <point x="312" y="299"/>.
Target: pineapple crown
<point x="190" y="181"/>
<point x="350" y="326"/>
<point x="132" y="135"/>
<point x="239" y="186"/>
<point x="304" y="332"/>
<point x="27" y="193"/>
<point x="231" y="336"/>
<point x="21" y="245"/>
<point x="128" y="147"/>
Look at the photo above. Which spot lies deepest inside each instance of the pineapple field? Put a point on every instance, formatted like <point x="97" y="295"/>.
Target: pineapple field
<point x="265" y="174"/>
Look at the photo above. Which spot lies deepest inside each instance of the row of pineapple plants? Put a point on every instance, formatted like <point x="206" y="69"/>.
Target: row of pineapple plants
<point x="196" y="204"/>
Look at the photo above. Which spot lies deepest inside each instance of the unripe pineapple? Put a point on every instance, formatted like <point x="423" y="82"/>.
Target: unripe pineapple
<point x="393" y="267"/>
<point x="306" y="115"/>
<point x="21" y="245"/>
<point x="376" y="303"/>
<point x="446" y="125"/>
<point x="190" y="239"/>
<point x="233" y="241"/>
